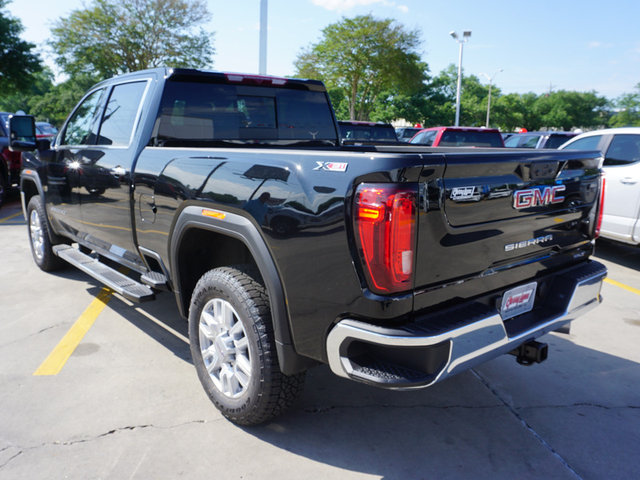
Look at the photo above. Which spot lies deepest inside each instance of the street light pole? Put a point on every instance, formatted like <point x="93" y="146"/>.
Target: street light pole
<point x="262" y="61"/>
<point x="465" y="36"/>
<point x="489" y="99"/>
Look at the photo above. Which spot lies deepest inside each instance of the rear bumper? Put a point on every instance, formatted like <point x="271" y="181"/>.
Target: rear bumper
<point x="442" y="344"/>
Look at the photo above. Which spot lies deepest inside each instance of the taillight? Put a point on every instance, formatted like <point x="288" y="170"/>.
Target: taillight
<point x="14" y="159"/>
<point x="385" y="230"/>
<point x="600" y="207"/>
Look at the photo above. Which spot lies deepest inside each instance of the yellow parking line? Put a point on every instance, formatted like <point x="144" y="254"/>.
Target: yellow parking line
<point x="59" y="356"/>
<point x="622" y="285"/>
<point x="6" y="219"/>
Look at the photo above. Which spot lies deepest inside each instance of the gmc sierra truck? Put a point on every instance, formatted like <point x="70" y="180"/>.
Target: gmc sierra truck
<point x="398" y="266"/>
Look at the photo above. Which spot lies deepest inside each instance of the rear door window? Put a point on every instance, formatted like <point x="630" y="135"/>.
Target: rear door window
<point x="121" y="114"/>
<point x="624" y="149"/>
<point x="586" y="143"/>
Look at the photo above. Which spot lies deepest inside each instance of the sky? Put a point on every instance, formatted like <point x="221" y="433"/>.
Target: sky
<point x="535" y="47"/>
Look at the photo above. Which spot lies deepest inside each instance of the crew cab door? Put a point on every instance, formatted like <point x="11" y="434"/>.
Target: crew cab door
<point x="622" y="193"/>
<point x="106" y="202"/>
<point x="66" y="164"/>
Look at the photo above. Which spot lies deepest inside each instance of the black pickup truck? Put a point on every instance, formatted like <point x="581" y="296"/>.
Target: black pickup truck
<point x="398" y="266"/>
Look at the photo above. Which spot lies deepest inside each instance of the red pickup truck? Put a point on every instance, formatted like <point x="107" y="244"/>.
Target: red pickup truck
<point x="458" y="137"/>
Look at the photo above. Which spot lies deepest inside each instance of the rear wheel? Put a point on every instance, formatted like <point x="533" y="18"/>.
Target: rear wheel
<point x="233" y="348"/>
<point x="40" y="237"/>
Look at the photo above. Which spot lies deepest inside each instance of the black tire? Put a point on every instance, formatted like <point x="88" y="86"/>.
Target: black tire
<point x="231" y="294"/>
<point x="40" y="237"/>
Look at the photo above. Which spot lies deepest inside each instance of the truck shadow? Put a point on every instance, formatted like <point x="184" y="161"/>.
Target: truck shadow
<point x="478" y="424"/>
<point x="158" y="319"/>
<point x="620" y="253"/>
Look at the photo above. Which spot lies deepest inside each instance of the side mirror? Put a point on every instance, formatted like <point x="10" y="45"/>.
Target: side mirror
<point x="22" y="133"/>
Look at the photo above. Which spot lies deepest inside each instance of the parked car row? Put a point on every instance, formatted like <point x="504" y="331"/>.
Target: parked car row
<point x="11" y="162"/>
<point x="547" y="139"/>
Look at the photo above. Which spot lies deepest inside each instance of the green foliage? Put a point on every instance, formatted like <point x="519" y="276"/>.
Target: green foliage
<point x="565" y="110"/>
<point x="362" y="58"/>
<point x="110" y="37"/>
<point x="18" y="62"/>
<point x="628" y="110"/>
<point x="56" y="104"/>
<point x="557" y="110"/>
<point x="41" y="84"/>
<point x="442" y="99"/>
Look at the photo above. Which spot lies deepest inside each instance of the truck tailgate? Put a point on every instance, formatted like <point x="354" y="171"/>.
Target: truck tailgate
<point x="501" y="218"/>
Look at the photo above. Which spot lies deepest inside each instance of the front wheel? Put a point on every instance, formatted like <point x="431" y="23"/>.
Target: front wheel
<point x="233" y="348"/>
<point x="40" y="238"/>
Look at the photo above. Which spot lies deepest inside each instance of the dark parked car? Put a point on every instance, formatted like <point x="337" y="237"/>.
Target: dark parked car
<point x="46" y="131"/>
<point x="538" y="139"/>
<point x="405" y="134"/>
<point x="458" y="137"/>
<point x="352" y="131"/>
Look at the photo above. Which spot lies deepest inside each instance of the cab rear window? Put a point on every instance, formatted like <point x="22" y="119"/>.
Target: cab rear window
<point x="201" y="113"/>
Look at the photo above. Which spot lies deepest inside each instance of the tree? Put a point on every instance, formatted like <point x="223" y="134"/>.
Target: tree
<point x="515" y="110"/>
<point x="18" y="62"/>
<point x="54" y="105"/>
<point x="41" y="84"/>
<point x="628" y="110"/>
<point x="567" y="109"/>
<point x="441" y="98"/>
<point x="110" y="37"/>
<point x="360" y="59"/>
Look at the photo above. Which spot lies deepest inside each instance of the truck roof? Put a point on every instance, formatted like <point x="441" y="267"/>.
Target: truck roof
<point x="224" y="77"/>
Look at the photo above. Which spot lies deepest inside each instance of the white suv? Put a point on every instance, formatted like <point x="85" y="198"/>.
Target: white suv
<point x="621" y="149"/>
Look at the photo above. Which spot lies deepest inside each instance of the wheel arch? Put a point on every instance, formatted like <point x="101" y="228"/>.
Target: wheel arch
<point x="222" y="240"/>
<point x="30" y="185"/>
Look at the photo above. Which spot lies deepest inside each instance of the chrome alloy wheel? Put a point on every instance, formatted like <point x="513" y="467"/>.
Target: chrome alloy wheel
<point x="225" y="348"/>
<point x="37" y="234"/>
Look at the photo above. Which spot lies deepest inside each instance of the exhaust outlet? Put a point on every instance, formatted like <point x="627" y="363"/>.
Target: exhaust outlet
<point x="530" y="353"/>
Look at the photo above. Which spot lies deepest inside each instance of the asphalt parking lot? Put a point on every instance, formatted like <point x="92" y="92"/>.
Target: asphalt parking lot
<point x="126" y="402"/>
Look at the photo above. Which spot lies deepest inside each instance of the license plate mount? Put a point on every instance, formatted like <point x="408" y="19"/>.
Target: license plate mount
<point x="518" y="300"/>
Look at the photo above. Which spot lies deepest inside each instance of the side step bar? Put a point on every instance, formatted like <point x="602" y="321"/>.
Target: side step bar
<point x="118" y="282"/>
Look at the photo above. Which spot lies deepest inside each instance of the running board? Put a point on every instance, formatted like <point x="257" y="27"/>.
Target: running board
<point x="116" y="281"/>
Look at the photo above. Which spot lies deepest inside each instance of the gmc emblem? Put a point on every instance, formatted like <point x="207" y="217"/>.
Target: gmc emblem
<point x="534" y="197"/>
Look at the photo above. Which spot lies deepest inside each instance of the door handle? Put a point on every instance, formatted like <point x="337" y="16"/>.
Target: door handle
<point x="629" y="180"/>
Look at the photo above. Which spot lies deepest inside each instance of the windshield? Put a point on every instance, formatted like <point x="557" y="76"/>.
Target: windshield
<point x="46" y="129"/>
<point x="199" y="112"/>
<point x="368" y="132"/>
<point x="555" y="141"/>
<point x="459" y="138"/>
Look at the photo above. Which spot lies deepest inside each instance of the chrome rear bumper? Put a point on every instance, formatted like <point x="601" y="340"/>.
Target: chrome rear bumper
<point x="443" y="344"/>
